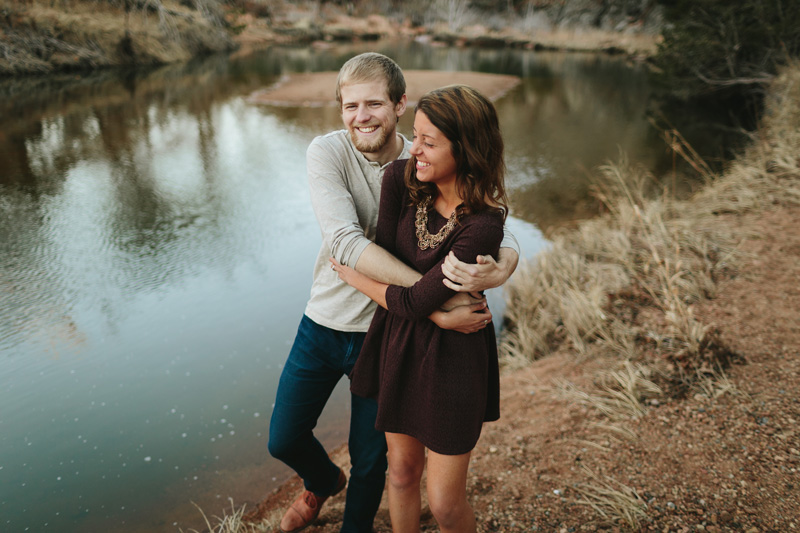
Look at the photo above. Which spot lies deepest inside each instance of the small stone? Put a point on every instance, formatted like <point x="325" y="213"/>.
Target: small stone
<point x="670" y="506"/>
<point x="492" y="449"/>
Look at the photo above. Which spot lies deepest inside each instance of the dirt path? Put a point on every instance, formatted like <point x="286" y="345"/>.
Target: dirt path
<point x="723" y="459"/>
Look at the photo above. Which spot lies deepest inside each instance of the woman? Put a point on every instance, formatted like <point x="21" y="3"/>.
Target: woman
<point x="434" y="387"/>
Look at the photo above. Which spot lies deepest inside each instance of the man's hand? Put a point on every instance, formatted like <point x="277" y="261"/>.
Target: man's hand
<point x="464" y="318"/>
<point x="486" y="273"/>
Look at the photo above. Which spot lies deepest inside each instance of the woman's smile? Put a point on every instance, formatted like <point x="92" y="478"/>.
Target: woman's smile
<point x="432" y="151"/>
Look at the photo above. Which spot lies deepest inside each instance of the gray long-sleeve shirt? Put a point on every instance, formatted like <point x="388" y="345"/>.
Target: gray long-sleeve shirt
<point x="345" y="193"/>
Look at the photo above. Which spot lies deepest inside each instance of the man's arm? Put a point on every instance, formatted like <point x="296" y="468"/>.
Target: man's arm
<point x="334" y="204"/>
<point x="466" y="317"/>
<point x="335" y="208"/>
<point x="380" y="265"/>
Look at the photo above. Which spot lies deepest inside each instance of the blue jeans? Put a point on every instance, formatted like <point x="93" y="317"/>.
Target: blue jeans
<point x="318" y="359"/>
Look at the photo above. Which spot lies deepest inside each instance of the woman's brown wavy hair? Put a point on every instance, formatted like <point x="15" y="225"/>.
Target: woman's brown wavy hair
<point x="469" y="121"/>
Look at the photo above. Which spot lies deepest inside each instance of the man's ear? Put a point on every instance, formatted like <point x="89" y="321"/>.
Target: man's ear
<point x="400" y="107"/>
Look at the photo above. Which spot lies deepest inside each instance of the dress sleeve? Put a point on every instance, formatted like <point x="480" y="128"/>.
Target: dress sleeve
<point x="392" y="198"/>
<point x="479" y="235"/>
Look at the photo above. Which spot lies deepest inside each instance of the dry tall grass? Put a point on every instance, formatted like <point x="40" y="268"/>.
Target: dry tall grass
<point x="654" y="256"/>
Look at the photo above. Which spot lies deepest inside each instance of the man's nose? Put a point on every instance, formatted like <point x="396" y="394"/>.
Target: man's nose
<point x="363" y="114"/>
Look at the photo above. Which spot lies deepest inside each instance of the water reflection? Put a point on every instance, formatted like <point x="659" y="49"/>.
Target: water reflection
<point x="564" y="122"/>
<point x="156" y="253"/>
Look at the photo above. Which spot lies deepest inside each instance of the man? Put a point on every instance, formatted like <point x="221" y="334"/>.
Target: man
<point x="345" y="169"/>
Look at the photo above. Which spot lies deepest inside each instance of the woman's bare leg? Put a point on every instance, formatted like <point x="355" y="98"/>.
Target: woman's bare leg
<point x="447" y="492"/>
<point x="406" y="463"/>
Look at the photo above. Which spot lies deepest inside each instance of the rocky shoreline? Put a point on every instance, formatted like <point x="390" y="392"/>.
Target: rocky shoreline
<point x="40" y="37"/>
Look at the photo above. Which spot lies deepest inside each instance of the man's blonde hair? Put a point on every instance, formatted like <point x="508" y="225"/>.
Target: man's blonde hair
<point x="372" y="66"/>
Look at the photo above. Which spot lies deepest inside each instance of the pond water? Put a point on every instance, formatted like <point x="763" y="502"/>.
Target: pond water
<point x="156" y="248"/>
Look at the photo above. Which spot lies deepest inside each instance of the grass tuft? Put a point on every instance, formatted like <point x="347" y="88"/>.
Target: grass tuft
<point x="235" y="523"/>
<point x="612" y="499"/>
<point x="620" y="394"/>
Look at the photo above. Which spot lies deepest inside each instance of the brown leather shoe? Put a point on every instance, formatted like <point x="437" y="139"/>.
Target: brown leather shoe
<point x="306" y="507"/>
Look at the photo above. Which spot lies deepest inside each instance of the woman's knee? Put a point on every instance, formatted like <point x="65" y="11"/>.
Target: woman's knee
<point x="447" y="509"/>
<point x="405" y="472"/>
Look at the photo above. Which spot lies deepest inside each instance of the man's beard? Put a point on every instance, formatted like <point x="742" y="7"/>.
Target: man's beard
<point x="368" y="147"/>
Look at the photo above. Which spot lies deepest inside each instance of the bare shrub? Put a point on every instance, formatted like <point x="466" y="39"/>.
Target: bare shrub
<point x="455" y="13"/>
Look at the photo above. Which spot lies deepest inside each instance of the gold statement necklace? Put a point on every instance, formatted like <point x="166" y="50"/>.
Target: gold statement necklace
<point x="424" y="238"/>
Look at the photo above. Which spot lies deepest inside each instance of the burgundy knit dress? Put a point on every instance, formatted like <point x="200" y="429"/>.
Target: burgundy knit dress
<point x="436" y="385"/>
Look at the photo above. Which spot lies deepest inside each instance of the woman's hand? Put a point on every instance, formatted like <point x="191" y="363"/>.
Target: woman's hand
<point x="346" y="274"/>
<point x="464" y="319"/>
<point x="375" y="290"/>
<point x="461" y="299"/>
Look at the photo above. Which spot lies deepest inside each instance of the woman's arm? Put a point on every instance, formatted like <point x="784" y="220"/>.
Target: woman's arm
<point x="478" y="235"/>
<point x="393" y="197"/>
<point x="375" y="290"/>
<point x="466" y="318"/>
